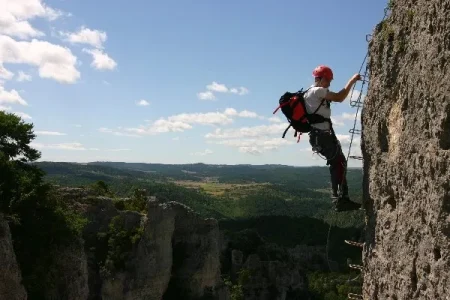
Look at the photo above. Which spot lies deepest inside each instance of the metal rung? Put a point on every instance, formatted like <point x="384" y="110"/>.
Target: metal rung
<point x="364" y="78"/>
<point x="354" y="296"/>
<point x="356" y="267"/>
<point x="356" y="157"/>
<point x="361" y="245"/>
<point x="355" y="131"/>
<point x="356" y="104"/>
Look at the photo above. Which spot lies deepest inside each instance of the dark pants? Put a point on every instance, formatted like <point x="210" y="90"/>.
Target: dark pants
<point x="327" y="144"/>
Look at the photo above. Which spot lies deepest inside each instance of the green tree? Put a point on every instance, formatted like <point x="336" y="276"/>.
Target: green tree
<point x="42" y="221"/>
<point x="17" y="176"/>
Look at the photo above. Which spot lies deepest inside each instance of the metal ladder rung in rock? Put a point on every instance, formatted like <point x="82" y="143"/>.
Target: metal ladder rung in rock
<point x="355" y="131"/>
<point x="356" y="103"/>
<point x="361" y="245"/>
<point x="354" y="296"/>
<point x="356" y="267"/>
<point x="356" y="157"/>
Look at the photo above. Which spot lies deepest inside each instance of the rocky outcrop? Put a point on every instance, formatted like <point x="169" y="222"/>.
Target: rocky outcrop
<point x="406" y="149"/>
<point x="170" y="252"/>
<point x="69" y="273"/>
<point x="11" y="287"/>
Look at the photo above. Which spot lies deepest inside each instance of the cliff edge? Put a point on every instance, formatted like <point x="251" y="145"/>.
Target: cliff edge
<point x="406" y="150"/>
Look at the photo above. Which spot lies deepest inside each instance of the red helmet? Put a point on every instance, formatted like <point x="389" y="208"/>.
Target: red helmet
<point x="323" y="71"/>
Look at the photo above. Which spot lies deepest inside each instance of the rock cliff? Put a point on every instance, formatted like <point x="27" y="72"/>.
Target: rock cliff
<point x="406" y="150"/>
<point x="169" y="252"/>
<point x="11" y="287"/>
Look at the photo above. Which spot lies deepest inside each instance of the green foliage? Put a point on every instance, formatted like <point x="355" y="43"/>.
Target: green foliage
<point x="332" y="286"/>
<point x="137" y="202"/>
<point x="390" y="4"/>
<point x="281" y="206"/>
<point x="119" y="240"/>
<point x="282" y="190"/>
<point x="100" y="188"/>
<point x="387" y="31"/>
<point x="42" y="222"/>
<point x="15" y="138"/>
<point x="237" y="289"/>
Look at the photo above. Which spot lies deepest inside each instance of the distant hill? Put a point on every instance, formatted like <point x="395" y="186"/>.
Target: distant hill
<point x="220" y="191"/>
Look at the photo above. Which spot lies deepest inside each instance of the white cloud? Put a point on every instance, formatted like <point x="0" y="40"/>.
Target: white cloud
<point x="203" y="153"/>
<point x="63" y="146"/>
<point x="275" y="119"/>
<point x="54" y="61"/>
<point x="242" y="114"/>
<point x="15" y="16"/>
<point x="119" y="150"/>
<point x="209" y="118"/>
<point x="49" y="133"/>
<point x="116" y="132"/>
<point x="347" y="116"/>
<point x="220" y="88"/>
<point x="142" y="103"/>
<point x="18" y="113"/>
<point x="101" y="60"/>
<point x="255" y="146"/>
<point x="21" y="76"/>
<point x="341" y="120"/>
<point x="345" y="140"/>
<point x="245" y="132"/>
<point x="208" y="95"/>
<point x="22" y="115"/>
<point x="337" y="122"/>
<point x="11" y="97"/>
<point x="217" y="87"/>
<point x="183" y="122"/>
<point x="240" y="91"/>
<point x="5" y="74"/>
<point x="94" y="38"/>
<point x="74" y="146"/>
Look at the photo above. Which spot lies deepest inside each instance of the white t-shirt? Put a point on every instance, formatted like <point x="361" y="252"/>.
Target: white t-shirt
<point x="313" y="98"/>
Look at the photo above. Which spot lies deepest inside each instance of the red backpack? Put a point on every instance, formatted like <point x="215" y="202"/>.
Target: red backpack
<point x="293" y="107"/>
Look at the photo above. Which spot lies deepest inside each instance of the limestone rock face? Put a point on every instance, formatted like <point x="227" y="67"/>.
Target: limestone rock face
<point x="10" y="276"/>
<point x="69" y="273"/>
<point x="406" y="150"/>
<point x="175" y="254"/>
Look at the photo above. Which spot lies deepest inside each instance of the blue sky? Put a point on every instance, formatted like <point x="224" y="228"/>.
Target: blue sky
<point x="209" y="74"/>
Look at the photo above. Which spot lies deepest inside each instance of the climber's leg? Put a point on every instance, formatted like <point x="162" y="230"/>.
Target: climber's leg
<point x="324" y="143"/>
<point x="327" y="144"/>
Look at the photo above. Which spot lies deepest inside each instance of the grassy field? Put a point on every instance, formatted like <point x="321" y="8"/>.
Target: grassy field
<point x="221" y="189"/>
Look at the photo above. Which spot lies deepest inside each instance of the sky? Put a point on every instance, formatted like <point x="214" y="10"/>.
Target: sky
<point x="177" y="81"/>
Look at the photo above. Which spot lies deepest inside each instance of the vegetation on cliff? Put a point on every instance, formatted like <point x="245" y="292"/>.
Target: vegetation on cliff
<point x="39" y="221"/>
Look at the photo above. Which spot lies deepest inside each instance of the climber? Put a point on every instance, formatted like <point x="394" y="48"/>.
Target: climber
<point x="322" y="137"/>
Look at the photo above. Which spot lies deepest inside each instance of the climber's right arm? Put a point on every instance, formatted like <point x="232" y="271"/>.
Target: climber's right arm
<point x="342" y="94"/>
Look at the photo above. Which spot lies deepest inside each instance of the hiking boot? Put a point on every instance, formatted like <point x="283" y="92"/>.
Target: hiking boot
<point x="345" y="204"/>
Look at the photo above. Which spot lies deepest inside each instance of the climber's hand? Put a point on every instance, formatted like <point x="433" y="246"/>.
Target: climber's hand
<point x="356" y="77"/>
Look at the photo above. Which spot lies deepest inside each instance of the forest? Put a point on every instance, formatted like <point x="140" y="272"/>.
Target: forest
<point x="257" y="207"/>
<point x="264" y="209"/>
